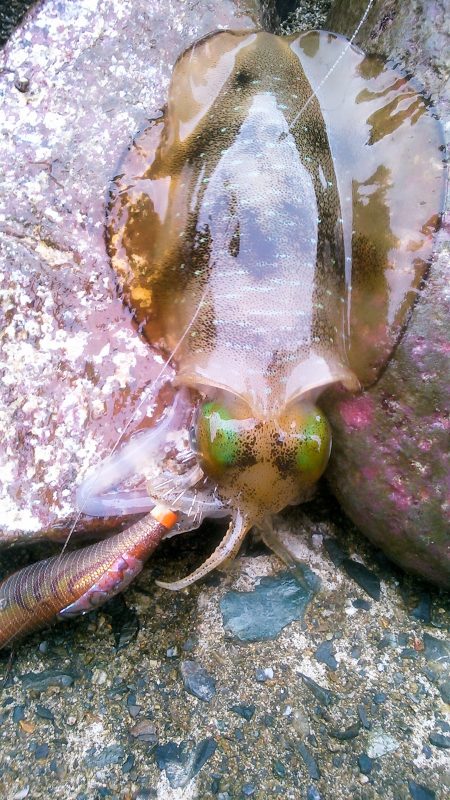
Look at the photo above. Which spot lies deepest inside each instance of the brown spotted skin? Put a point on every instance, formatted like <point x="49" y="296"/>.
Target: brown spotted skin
<point x="275" y="236"/>
<point x="35" y="595"/>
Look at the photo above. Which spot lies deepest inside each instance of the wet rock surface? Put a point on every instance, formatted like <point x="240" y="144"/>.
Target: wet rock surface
<point x="98" y="707"/>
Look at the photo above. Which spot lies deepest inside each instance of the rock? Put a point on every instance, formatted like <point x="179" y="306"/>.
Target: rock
<point x="437" y="650"/>
<point x="246" y="712"/>
<point x="145" y="731"/>
<point x="419" y="792"/>
<point x="40" y="681"/>
<point x="347" y="733"/>
<point x="181" y="762"/>
<point x="310" y="761"/>
<point x="197" y="681"/>
<point x="365" y="764"/>
<point x="274" y="603"/>
<point x="264" y="674"/>
<point x="380" y="743"/>
<point x="325" y="655"/>
<point x="324" y="696"/>
<point x="439" y="740"/>
<point x="74" y="368"/>
<point x="113" y="754"/>
<point x="363" y="577"/>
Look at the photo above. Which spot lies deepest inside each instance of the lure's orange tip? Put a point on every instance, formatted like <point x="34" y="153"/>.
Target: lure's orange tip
<point x="164" y="516"/>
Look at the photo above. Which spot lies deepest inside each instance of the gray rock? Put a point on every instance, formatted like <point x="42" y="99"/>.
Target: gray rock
<point x="274" y="603"/>
<point x="181" y="762"/>
<point x="197" y="681"/>
<point x="380" y="743"/>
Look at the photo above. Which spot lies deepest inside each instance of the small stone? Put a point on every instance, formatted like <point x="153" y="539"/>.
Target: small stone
<point x="380" y="743"/>
<point x="324" y="696"/>
<point x="419" y="792"/>
<point x="172" y="652"/>
<point x="41" y="752"/>
<point x="279" y="770"/>
<point x="248" y="789"/>
<point x="347" y="734"/>
<point x="112" y="754"/>
<point x="361" y="604"/>
<point x="263" y="675"/>
<point x="364" y="577"/>
<point x="439" y="740"/>
<point x="181" y="762"/>
<point x="436" y="649"/>
<point x="444" y="689"/>
<point x="21" y="82"/>
<point x="275" y="602"/>
<point x="422" y="611"/>
<point x="197" y="681"/>
<point x="44" y="713"/>
<point x="18" y="713"/>
<point x="365" y="764"/>
<point x="21" y="794"/>
<point x="144" y="730"/>
<point x="334" y="551"/>
<point x="246" y="712"/>
<point x="300" y="723"/>
<point x="128" y="765"/>
<point x="379" y="698"/>
<point x="325" y="655"/>
<point x="310" y="762"/>
<point x="313" y="794"/>
<point x="40" y="681"/>
<point x="409" y="652"/>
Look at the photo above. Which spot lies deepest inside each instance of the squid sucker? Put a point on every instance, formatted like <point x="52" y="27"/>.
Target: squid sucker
<point x="270" y="232"/>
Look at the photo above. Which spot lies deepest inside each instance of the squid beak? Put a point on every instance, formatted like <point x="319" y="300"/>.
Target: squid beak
<point x="226" y="551"/>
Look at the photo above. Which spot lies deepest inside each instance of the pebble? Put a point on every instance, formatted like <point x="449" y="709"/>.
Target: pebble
<point x="181" y="762"/>
<point x="334" y="551"/>
<point x="40" y="681"/>
<point x="365" y="764"/>
<point x="263" y="675"/>
<point x="246" y="712"/>
<point x="419" y="792"/>
<point x="310" y="762"/>
<point x="347" y="734"/>
<point x="422" y="611"/>
<point x="380" y="743"/>
<point x="144" y="731"/>
<point x="436" y="649"/>
<point x="364" y="577"/>
<point x="325" y="655"/>
<point x="279" y="770"/>
<point x="44" y="713"/>
<point x="197" y="681"/>
<point x="313" y="794"/>
<point x="324" y="696"/>
<point x="112" y="754"/>
<point x="248" y="789"/>
<point x="275" y="602"/>
<point x="361" y="604"/>
<point x="439" y="740"/>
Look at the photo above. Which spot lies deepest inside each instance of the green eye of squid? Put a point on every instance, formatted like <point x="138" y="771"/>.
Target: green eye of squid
<point x="313" y="443"/>
<point x="218" y="437"/>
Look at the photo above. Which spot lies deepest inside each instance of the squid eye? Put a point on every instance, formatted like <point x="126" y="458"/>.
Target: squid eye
<point x="218" y="436"/>
<point x="311" y="432"/>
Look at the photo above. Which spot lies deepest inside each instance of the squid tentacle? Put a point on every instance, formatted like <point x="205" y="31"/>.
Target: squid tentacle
<point x="77" y="582"/>
<point x="226" y="551"/>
